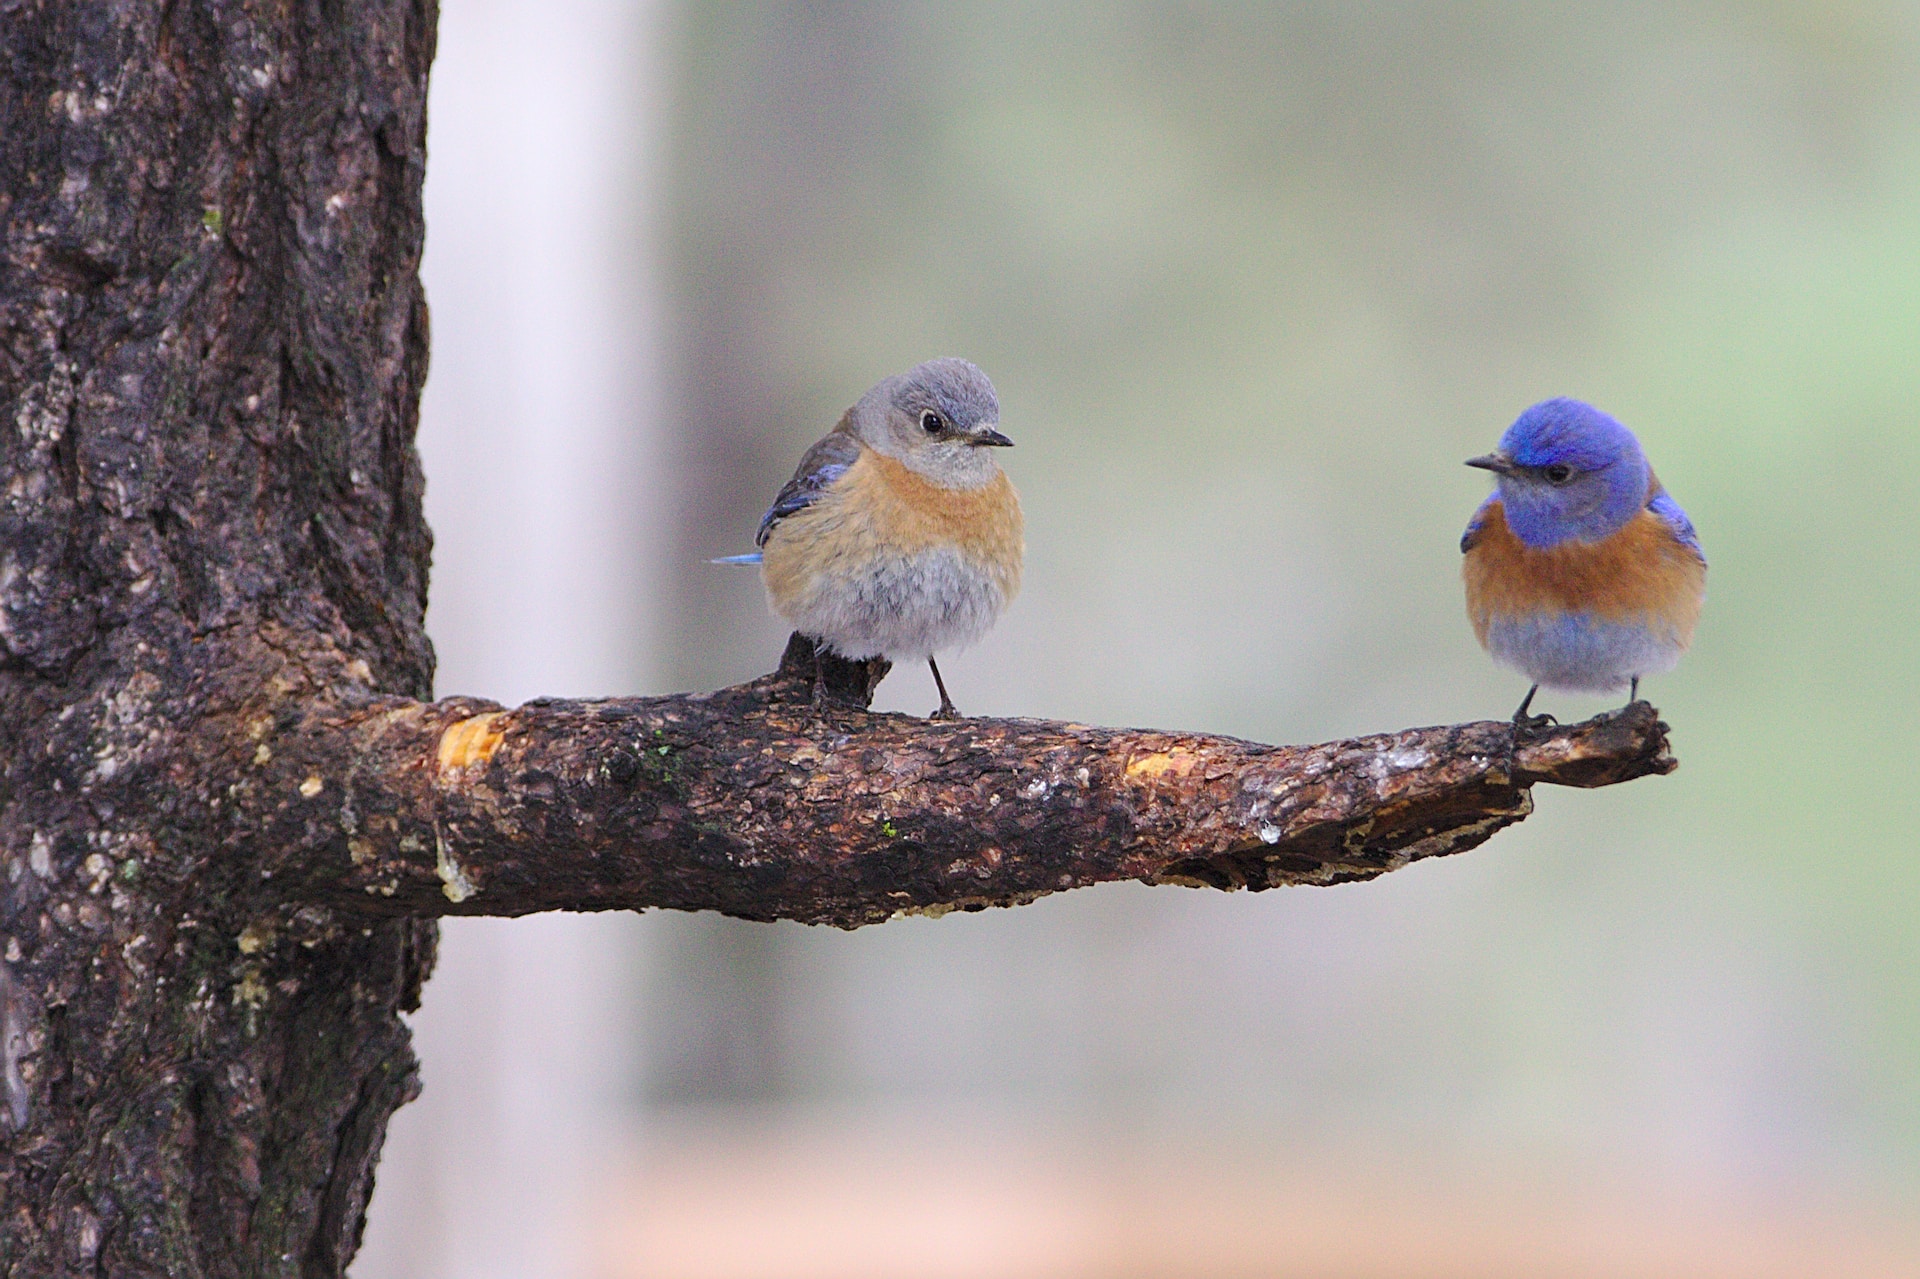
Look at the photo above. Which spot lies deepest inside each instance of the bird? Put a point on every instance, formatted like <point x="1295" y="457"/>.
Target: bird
<point x="899" y="535"/>
<point x="1582" y="572"/>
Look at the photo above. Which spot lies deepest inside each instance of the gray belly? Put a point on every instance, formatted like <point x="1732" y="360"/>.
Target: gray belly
<point x="906" y="608"/>
<point x="1577" y="652"/>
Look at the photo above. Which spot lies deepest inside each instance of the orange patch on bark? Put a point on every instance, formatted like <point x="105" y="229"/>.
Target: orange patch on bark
<point x="470" y="742"/>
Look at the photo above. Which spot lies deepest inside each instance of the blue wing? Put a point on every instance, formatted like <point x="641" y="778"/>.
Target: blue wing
<point x="824" y="463"/>
<point x="1663" y="505"/>
<point x="1471" y="537"/>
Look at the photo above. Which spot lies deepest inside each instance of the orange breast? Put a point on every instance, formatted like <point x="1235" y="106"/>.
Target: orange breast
<point x="916" y="514"/>
<point x="1640" y="573"/>
<point x="882" y="510"/>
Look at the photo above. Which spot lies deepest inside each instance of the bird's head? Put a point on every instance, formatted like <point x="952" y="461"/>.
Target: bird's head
<point x="940" y="419"/>
<point x="1567" y="472"/>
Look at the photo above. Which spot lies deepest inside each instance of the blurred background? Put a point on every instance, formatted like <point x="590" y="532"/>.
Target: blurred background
<point x="1251" y="281"/>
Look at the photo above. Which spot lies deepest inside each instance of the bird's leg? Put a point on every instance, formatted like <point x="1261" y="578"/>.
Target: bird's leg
<point x="1633" y="692"/>
<point x="946" y="710"/>
<point x="1530" y="723"/>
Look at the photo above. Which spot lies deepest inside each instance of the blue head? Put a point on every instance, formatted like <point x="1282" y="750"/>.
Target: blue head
<point x="1568" y="472"/>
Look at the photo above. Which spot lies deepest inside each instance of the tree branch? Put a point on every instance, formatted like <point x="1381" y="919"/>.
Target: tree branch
<point x="761" y="802"/>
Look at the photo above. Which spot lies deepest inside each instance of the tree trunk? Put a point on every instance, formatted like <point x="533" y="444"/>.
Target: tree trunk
<point x="228" y="815"/>
<point x="212" y="340"/>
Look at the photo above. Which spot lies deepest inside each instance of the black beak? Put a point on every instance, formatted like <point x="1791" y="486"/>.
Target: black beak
<point x="1499" y="463"/>
<point x="992" y="440"/>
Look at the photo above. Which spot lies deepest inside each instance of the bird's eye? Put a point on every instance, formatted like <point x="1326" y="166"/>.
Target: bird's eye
<point x="932" y="423"/>
<point x="1558" y="473"/>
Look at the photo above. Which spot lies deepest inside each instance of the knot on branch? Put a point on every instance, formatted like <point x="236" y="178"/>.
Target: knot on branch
<point x="1615" y="747"/>
<point x="811" y="671"/>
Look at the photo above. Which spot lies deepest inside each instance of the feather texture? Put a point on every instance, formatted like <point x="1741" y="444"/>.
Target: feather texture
<point x="883" y="561"/>
<point x="1586" y="615"/>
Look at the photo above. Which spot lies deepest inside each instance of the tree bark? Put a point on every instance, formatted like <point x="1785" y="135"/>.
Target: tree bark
<point x="212" y="340"/>
<point x="228" y="814"/>
<point x="761" y="803"/>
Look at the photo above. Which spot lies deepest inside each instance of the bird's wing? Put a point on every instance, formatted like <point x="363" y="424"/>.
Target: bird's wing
<point x="824" y="463"/>
<point x="1476" y="525"/>
<point x="1663" y="505"/>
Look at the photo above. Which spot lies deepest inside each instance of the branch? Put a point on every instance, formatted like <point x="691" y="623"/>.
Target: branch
<point x="761" y="802"/>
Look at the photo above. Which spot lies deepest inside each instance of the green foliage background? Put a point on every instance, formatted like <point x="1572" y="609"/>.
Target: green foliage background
<point x="1252" y="280"/>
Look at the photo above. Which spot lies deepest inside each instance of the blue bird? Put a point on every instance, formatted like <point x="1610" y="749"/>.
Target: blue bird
<point x="1582" y="572"/>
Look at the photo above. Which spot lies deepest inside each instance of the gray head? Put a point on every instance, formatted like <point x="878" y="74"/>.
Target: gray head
<point x="1568" y="472"/>
<point x="940" y="419"/>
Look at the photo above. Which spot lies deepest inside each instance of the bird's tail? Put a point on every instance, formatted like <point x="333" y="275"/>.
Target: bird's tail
<point x="752" y="557"/>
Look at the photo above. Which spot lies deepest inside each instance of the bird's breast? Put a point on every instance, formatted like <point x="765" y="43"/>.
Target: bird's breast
<point x="880" y="513"/>
<point x="1641" y="572"/>
<point x="914" y="514"/>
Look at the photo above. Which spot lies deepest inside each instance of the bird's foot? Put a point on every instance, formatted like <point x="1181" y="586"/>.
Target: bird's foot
<point x="1525" y="725"/>
<point x="946" y="710"/>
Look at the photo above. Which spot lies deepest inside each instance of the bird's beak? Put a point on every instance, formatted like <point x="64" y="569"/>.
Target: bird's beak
<point x="1499" y="463"/>
<point x="991" y="439"/>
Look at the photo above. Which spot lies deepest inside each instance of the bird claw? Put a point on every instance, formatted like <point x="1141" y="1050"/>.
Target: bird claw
<point x="1527" y="724"/>
<point x="946" y="712"/>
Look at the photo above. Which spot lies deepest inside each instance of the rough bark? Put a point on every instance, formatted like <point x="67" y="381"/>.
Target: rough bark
<point x="226" y="817"/>
<point x="212" y="340"/>
<point x="761" y="803"/>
